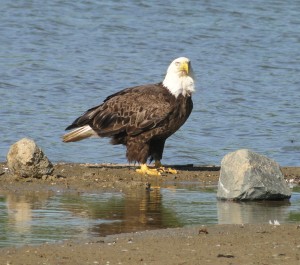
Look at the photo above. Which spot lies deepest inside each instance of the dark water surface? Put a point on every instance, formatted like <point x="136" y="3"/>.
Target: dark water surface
<point x="36" y="217"/>
<point x="59" y="58"/>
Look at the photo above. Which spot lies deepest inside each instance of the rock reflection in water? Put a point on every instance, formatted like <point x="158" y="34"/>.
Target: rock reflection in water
<point x="230" y="212"/>
<point x="17" y="215"/>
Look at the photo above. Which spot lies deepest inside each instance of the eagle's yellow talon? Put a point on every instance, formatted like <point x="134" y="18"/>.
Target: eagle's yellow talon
<point x="161" y="168"/>
<point x="167" y="170"/>
<point x="172" y="171"/>
<point x="149" y="171"/>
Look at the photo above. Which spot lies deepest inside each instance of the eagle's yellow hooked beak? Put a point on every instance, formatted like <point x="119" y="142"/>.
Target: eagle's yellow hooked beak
<point x="184" y="67"/>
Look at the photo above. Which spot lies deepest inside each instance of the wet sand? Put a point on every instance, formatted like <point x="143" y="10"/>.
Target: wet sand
<point x="213" y="244"/>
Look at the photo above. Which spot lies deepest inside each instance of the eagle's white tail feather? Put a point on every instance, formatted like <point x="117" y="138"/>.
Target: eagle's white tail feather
<point x="79" y="134"/>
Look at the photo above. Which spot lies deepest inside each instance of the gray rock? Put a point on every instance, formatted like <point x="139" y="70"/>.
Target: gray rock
<point x="26" y="159"/>
<point x="246" y="175"/>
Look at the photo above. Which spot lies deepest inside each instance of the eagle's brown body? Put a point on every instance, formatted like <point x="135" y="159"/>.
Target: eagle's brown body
<point x="141" y="118"/>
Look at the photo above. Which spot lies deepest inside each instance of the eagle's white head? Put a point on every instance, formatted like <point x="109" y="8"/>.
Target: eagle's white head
<point x="180" y="78"/>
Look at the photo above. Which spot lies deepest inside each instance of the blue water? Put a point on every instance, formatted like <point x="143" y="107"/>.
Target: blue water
<point x="59" y="58"/>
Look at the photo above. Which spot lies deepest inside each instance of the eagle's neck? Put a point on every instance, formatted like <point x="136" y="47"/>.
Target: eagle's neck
<point x="179" y="85"/>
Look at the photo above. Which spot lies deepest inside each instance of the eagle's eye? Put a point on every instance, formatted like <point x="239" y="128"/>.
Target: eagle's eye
<point x="177" y="63"/>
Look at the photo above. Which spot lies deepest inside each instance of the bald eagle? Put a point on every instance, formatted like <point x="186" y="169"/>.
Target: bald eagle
<point x="142" y="117"/>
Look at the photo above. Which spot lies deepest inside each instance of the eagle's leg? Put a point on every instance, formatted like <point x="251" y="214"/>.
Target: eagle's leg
<point x="161" y="168"/>
<point x="149" y="171"/>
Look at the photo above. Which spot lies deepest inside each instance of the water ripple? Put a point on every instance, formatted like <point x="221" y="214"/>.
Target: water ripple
<point x="59" y="59"/>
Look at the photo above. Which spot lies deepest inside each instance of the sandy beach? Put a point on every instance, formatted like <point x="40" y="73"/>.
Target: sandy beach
<point x="211" y="244"/>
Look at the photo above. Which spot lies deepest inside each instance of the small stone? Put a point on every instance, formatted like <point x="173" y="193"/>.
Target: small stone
<point x="26" y="159"/>
<point x="246" y="175"/>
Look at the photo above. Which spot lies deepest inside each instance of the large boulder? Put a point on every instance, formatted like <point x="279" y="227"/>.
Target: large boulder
<point x="26" y="159"/>
<point x="246" y="175"/>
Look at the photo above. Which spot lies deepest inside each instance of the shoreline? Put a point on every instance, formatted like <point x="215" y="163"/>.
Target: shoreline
<point x="209" y="244"/>
<point x="98" y="177"/>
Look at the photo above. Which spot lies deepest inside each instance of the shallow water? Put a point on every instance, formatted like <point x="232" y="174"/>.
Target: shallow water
<point x="60" y="58"/>
<point x="38" y="217"/>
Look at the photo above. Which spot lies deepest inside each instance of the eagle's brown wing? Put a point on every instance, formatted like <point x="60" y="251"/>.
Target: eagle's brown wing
<point x="132" y="110"/>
